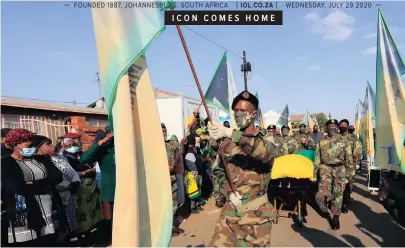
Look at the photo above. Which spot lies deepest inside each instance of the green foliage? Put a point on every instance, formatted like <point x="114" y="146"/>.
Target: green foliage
<point x="321" y="118"/>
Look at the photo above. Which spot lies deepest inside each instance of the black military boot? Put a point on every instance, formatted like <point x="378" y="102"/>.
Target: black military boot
<point x="344" y="209"/>
<point x="335" y="222"/>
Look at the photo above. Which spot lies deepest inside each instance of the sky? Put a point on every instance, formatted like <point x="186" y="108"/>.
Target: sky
<point x="319" y="60"/>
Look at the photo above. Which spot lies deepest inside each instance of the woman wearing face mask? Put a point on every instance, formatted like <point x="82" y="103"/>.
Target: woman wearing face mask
<point x="89" y="204"/>
<point x="33" y="205"/>
<point x="67" y="188"/>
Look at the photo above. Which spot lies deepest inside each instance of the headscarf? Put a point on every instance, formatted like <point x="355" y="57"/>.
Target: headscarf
<point x="18" y="136"/>
<point x="66" y="140"/>
<point x="39" y="140"/>
<point x="173" y="138"/>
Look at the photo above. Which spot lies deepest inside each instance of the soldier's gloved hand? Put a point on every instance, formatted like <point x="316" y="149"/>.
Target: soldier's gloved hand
<point x="217" y="131"/>
<point x="236" y="199"/>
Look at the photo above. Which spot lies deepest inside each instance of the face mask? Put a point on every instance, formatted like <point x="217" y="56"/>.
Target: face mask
<point x="285" y="133"/>
<point x="342" y="129"/>
<point x="73" y="149"/>
<point x="331" y="131"/>
<point x="315" y="130"/>
<point x="27" y="152"/>
<point x="242" y="119"/>
<point x="197" y="145"/>
<point x="351" y="131"/>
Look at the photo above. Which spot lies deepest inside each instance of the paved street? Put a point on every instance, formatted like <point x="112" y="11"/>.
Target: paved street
<point x="368" y="224"/>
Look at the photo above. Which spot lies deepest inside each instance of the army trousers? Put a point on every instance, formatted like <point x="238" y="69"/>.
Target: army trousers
<point x="331" y="186"/>
<point x="248" y="229"/>
<point x="218" y="181"/>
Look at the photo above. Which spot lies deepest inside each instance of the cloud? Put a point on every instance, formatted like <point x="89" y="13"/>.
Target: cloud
<point x="370" y="35"/>
<point x="300" y="58"/>
<point x="336" y="26"/>
<point x="61" y="55"/>
<point x="314" y="67"/>
<point x="370" y="51"/>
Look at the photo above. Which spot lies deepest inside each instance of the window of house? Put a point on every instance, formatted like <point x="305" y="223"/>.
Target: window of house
<point x="11" y="121"/>
<point x="96" y="123"/>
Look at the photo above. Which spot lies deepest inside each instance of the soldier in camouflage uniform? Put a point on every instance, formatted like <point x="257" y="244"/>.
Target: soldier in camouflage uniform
<point x="350" y="171"/>
<point x="171" y="152"/>
<point x="305" y="142"/>
<point x="246" y="219"/>
<point x="333" y="154"/>
<point x="280" y="144"/>
<point x="291" y="142"/>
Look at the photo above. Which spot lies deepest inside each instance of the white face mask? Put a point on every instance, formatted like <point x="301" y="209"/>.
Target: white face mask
<point x="197" y="145"/>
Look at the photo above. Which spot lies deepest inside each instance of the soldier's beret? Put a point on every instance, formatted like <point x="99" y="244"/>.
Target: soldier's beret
<point x="344" y="120"/>
<point x="332" y="121"/>
<point x="284" y="126"/>
<point x="303" y="125"/>
<point x="246" y="96"/>
<point x="271" y="127"/>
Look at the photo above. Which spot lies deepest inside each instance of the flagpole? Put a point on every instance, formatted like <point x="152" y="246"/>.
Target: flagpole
<point x="190" y="62"/>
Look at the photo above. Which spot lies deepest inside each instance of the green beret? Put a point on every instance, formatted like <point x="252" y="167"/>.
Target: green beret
<point x="246" y="96"/>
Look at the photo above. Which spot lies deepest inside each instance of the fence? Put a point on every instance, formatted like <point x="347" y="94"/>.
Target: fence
<point x="39" y="125"/>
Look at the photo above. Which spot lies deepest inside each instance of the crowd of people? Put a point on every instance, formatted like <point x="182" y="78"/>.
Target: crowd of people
<point x="52" y="194"/>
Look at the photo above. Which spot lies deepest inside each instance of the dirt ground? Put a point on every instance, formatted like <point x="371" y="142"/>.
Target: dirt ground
<point x="367" y="224"/>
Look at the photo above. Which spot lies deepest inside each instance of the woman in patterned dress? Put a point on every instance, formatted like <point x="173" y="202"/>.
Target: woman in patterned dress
<point x="34" y="210"/>
<point x="67" y="188"/>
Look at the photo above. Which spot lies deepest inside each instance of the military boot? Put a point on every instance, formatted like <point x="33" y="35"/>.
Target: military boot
<point x="335" y="222"/>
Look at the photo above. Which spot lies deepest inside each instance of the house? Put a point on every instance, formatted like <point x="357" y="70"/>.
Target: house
<point x="297" y="118"/>
<point x="52" y="120"/>
<point x="271" y="118"/>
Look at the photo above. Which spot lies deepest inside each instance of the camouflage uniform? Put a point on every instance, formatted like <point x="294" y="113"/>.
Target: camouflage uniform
<point x="280" y="145"/>
<point x="292" y="144"/>
<point x="250" y="159"/>
<point x="311" y="145"/>
<point x="171" y="154"/>
<point x="357" y="155"/>
<point x="332" y="156"/>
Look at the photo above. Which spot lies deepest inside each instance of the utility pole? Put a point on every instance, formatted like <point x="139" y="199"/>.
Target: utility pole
<point x="330" y="116"/>
<point x="99" y="84"/>
<point x="245" y="68"/>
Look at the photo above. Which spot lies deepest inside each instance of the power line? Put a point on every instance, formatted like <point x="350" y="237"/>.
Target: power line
<point x="235" y="54"/>
<point x="34" y="99"/>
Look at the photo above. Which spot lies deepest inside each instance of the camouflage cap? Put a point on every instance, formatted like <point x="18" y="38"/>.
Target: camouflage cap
<point x="332" y="121"/>
<point x="271" y="127"/>
<point x="246" y="96"/>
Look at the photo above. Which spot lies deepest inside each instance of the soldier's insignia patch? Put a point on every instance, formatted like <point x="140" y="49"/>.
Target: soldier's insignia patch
<point x="246" y="95"/>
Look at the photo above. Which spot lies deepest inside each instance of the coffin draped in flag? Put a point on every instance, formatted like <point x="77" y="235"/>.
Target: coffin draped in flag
<point x="222" y="90"/>
<point x="284" y="118"/>
<point x="390" y="102"/>
<point x="143" y="202"/>
<point x="299" y="165"/>
<point x="259" y="119"/>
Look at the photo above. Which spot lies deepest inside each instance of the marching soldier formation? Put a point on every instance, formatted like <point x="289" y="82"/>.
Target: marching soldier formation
<point x="249" y="152"/>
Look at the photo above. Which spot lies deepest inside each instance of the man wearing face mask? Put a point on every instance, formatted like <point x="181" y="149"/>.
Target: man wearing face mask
<point x="304" y="141"/>
<point x="332" y="156"/>
<point x="249" y="155"/>
<point x="350" y="171"/>
<point x="292" y="144"/>
<point x="280" y="144"/>
<point x="316" y="135"/>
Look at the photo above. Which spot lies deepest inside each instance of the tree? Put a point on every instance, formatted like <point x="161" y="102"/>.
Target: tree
<point x="321" y="118"/>
<point x="295" y="125"/>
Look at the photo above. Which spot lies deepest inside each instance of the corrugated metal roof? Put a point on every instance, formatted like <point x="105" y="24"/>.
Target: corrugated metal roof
<point x="31" y="104"/>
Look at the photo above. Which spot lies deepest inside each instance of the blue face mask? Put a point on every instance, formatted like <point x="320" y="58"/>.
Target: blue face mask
<point x="27" y="152"/>
<point x="73" y="149"/>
